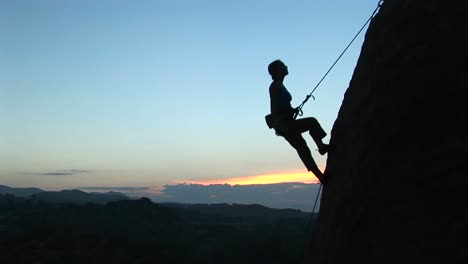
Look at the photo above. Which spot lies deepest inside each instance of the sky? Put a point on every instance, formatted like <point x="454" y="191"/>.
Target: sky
<point x="116" y="93"/>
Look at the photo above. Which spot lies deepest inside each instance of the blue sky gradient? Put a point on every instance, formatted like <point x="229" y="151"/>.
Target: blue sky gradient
<point x="144" y="93"/>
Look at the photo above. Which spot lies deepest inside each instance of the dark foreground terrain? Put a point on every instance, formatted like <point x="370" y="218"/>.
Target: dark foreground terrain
<point x="139" y="231"/>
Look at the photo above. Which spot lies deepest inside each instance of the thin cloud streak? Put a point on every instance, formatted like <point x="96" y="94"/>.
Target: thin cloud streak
<point x="59" y="172"/>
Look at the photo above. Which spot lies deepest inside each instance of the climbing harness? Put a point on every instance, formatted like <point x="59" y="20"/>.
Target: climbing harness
<point x="299" y="108"/>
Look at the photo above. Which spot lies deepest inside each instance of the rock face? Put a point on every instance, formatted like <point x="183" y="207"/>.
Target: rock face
<point x="398" y="170"/>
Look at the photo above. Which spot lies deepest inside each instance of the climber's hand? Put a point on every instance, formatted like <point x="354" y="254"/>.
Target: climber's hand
<point x="296" y="111"/>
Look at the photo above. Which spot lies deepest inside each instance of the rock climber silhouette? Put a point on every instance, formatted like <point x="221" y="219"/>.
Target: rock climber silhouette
<point x="283" y="121"/>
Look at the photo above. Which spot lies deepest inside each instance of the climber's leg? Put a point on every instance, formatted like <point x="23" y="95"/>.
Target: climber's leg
<point x="297" y="142"/>
<point x="315" y="130"/>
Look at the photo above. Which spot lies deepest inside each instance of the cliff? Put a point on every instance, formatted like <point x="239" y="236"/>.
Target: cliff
<point x="398" y="170"/>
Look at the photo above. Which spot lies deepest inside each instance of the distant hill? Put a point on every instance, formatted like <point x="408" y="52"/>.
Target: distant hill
<point x="238" y="212"/>
<point x="19" y="192"/>
<point x="65" y="196"/>
<point x="79" y="197"/>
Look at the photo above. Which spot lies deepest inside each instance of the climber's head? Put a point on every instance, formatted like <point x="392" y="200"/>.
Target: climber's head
<point x="278" y="70"/>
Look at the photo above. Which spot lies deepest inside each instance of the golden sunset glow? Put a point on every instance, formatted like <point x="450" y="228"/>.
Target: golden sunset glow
<point x="279" y="177"/>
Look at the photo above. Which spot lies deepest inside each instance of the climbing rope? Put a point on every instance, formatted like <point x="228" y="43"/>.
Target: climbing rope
<point x="299" y="108"/>
<point x="316" y="198"/>
<point x="311" y="220"/>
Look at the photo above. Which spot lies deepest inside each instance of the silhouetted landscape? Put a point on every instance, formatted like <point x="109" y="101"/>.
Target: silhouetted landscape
<point x="38" y="230"/>
<point x="173" y="97"/>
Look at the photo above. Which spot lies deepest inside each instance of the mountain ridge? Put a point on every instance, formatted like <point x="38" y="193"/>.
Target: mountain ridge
<point x="20" y="192"/>
<point x="64" y="196"/>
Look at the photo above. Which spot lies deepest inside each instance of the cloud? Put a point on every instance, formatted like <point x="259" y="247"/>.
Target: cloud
<point x="56" y="173"/>
<point x="59" y="172"/>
